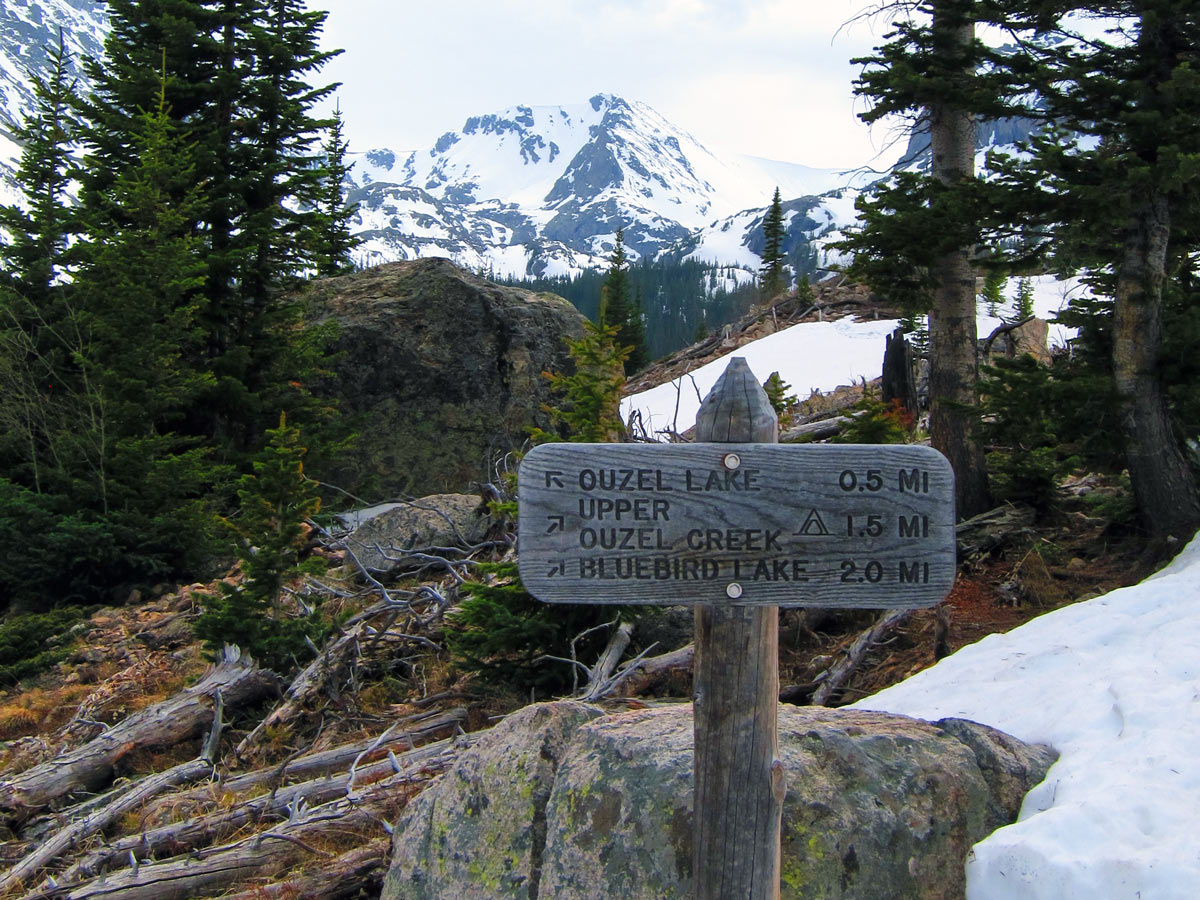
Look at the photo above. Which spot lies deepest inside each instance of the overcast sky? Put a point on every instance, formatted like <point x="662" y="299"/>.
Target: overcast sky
<point x="769" y="78"/>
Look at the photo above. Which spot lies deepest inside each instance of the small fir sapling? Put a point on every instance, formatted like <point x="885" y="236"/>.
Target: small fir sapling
<point x="1023" y="302"/>
<point x="502" y="632"/>
<point x="270" y="533"/>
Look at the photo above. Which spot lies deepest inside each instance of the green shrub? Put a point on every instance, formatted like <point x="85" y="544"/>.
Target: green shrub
<point x="1024" y="453"/>
<point x="30" y="643"/>
<point x="877" y="422"/>
<point x="502" y="632"/>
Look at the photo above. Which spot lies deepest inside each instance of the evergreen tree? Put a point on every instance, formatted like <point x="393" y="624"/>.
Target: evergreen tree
<point x="1023" y="302"/>
<point x="332" y="238"/>
<point x="619" y="309"/>
<point x="36" y="253"/>
<point x="1122" y="203"/>
<point x="36" y="341"/>
<point x="236" y="74"/>
<point x="591" y="394"/>
<point x="993" y="291"/>
<point x="276" y="500"/>
<point x="919" y="231"/>
<point x="771" y="273"/>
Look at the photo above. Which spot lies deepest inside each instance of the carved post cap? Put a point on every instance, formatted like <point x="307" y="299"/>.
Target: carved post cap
<point x="737" y="409"/>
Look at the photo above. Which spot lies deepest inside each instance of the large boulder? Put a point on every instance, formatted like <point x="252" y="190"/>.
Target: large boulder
<point x="479" y="833"/>
<point x="438" y="369"/>
<point x="439" y="520"/>
<point x="877" y="806"/>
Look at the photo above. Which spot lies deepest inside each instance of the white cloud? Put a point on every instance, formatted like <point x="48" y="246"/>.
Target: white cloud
<point x="767" y="78"/>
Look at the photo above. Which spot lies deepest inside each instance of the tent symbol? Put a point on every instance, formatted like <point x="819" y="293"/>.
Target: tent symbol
<point x="813" y="526"/>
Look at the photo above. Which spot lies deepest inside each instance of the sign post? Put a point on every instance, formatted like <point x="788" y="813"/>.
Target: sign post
<point x="738" y="526"/>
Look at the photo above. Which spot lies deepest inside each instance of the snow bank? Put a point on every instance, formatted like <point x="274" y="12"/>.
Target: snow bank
<point x="1114" y="685"/>
<point x="814" y="356"/>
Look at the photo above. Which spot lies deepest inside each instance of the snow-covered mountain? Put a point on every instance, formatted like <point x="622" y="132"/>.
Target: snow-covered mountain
<point x="530" y="190"/>
<point x="542" y="191"/>
<point x="28" y="30"/>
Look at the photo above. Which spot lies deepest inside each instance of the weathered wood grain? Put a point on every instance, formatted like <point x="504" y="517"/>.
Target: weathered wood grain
<point x="837" y="525"/>
<point x="738" y="778"/>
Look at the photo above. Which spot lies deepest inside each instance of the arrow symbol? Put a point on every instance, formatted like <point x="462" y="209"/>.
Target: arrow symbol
<point x="552" y="479"/>
<point x="557" y="523"/>
<point x="559" y="569"/>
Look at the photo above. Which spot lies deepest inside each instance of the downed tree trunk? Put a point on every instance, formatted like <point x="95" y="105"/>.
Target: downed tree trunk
<point x="644" y="672"/>
<point x="198" y="831"/>
<point x="358" y="873"/>
<point x="329" y="666"/>
<point x="131" y="799"/>
<point x="236" y="678"/>
<point x="191" y="876"/>
<point x="816" y="431"/>
<point x="985" y="532"/>
<point x="836" y="676"/>
<point x="212" y="871"/>
<point x="420" y="727"/>
<point x="599" y="674"/>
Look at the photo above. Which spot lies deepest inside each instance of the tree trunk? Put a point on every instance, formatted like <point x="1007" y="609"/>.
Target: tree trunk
<point x="1163" y="486"/>
<point x="953" y="338"/>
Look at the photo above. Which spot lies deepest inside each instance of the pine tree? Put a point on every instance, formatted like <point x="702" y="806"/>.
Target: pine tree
<point x="619" y="309"/>
<point x="591" y="405"/>
<point x="36" y="253"/>
<point x="236" y="75"/>
<point x="1121" y="204"/>
<point x="993" y="291"/>
<point x="332" y="238"/>
<point x="276" y="500"/>
<point x="1023" y="302"/>
<point x="771" y="275"/>
<point x="36" y="343"/>
<point x="919" y="231"/>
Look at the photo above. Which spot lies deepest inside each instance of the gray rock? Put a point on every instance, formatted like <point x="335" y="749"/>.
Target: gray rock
<point x="439" y="520"/>
<point x="442" y="368"/>
<point x="878" y="806"/>
<point x="479" y="832"/>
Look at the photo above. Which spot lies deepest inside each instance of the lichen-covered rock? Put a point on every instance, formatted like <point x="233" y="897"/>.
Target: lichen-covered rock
<point x="878" y="806"/>
<point x="479" y="832"/>
<point x="441" y="370"/>
<point x="439" y="520"/>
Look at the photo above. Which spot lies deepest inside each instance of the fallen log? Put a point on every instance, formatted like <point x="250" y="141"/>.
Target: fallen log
<point x="133" y="798"/>
<point x="179" y="718"/>
<point x="636" y="676"/>
<point x="815" y="431"/>
<point x="836" y="676"/>
<point x="198" y="831"/>
<point x="329" y="666"/>
<point x="212" y="871"/>
<point x="420" y="727"/>
<point x="199" y="875"/>
<point x="984" y="533"/>
<point x="358" y="873"/>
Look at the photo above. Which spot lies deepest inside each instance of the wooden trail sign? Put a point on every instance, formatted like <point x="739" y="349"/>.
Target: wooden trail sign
<point x="737" y="526"/>
<point x="810" y="525"/>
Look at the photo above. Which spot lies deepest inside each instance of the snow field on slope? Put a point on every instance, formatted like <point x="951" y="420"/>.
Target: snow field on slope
<point x="1113" y="684"/>
<point x="495" y="164"/>
<point x="817" y="356"/>
<point x="822" y="356"/>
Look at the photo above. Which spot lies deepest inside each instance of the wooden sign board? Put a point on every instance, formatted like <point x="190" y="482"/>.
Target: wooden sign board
<point x="831" y="525"/>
